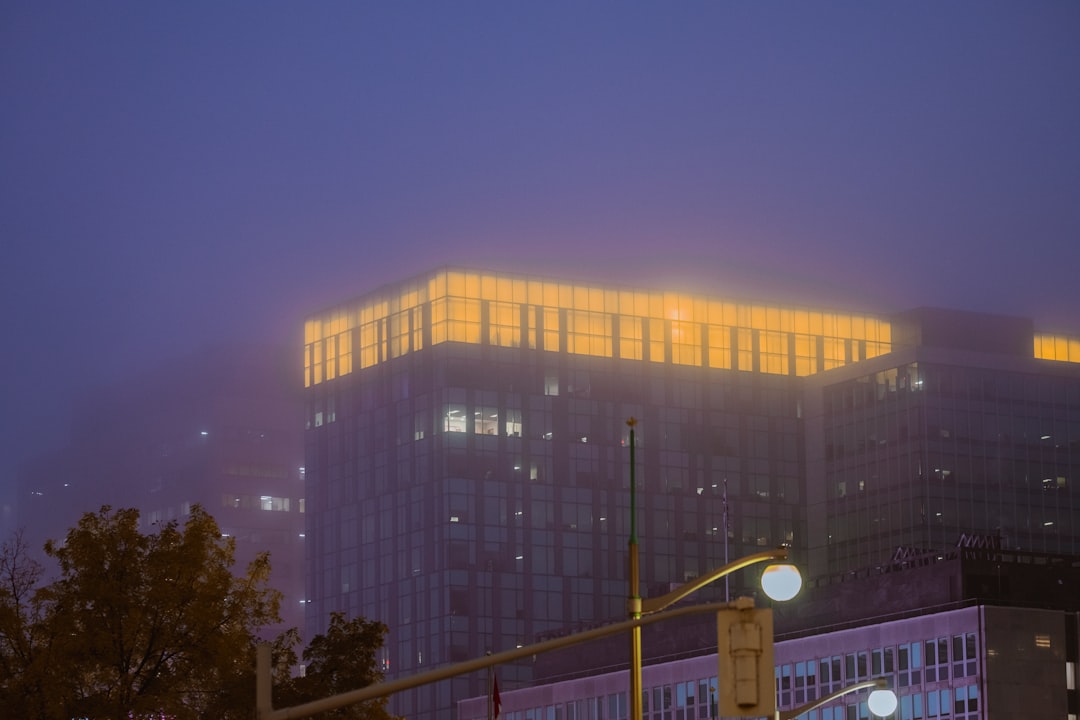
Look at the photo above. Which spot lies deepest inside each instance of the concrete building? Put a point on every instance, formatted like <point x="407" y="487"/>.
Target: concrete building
<point x="467" y="469"/>
<point x="971" y="634"/>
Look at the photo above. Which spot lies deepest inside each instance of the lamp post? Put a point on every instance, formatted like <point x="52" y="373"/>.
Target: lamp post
<point x="783" y="579"/>
<point x="881" y="701"/>
<point x="633" y="599"/>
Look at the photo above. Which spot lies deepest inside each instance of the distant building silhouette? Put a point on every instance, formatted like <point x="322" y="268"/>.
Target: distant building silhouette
<point x="467" y="469"/>
<point x="221" y="428"/>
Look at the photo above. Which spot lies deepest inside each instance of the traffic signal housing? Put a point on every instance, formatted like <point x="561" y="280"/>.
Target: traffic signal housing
<point x="744" y="649"/>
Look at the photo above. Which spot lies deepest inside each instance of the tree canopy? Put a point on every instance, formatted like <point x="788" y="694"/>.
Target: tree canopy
<point x="140" y="625"/>
<point x="342" y="659"/>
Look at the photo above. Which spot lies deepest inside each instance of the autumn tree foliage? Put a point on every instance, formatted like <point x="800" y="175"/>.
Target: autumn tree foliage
<point x="154" y="625"/>
<point x="340" y="660"/>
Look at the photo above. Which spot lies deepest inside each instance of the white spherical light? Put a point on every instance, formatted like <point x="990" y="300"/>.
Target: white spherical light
<point x="882" y="703"/>
<point x="782" y="581"/>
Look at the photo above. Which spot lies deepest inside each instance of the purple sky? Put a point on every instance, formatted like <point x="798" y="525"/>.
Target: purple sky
<point x="175" y="173"/>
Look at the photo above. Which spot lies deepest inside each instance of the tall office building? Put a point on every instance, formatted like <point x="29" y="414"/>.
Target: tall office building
<point x="468" y="470"/>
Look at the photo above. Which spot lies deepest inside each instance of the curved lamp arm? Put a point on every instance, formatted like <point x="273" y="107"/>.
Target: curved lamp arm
<point x="877" y="683"/>
<point x="651" y="605"/>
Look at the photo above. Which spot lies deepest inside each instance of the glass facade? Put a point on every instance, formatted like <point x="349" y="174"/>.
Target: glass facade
<point x="467" y="465"/>
<point x="917" y="455"/>
<point x="512" y="311"/>
<point x="962" y="664"/>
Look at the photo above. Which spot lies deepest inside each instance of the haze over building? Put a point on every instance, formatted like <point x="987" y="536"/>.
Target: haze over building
<point x="467" y="470"/>
<point x="220" y="428"/>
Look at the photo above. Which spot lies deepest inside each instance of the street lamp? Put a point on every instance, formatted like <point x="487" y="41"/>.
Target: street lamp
<point x="780" y="581"/>
<point x="881" y="701"/>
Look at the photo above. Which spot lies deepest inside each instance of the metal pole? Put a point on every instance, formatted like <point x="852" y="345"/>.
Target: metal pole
<point x="265" y="711"/>
<point x="490" y="687"/>
<point x="727" y="580"/>
<point x="633" y="599"/>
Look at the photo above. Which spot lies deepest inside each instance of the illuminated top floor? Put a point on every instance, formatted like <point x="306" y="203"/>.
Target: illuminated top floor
<point x="514" y="311"/>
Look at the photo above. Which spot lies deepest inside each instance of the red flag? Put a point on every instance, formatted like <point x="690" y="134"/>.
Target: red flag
<point x="496" y="703"/>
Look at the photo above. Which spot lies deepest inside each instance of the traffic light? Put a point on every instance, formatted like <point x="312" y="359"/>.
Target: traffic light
<point x="744" y="649"/>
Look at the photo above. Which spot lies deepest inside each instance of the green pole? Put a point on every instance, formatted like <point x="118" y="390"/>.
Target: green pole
<point x="633" y="488"/>
<point x="633" y="601"/>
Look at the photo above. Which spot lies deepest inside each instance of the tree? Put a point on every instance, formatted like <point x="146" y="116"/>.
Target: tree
<point x="342" y="659"/>
<point x="22" y="669"/>
<point x="150" y="625"/>
<point x="135" y="625"/>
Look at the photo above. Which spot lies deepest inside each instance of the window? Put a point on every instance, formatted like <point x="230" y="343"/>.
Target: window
<point x="685" y="343"/>
<point x="963" y="655"/>
<point x="909" y="664"/>
<point x="504" y="324"/>
<point x="966" y="702"/>
<point x="513" y="423"/>
<point x="486" y="420"/>
<point x="454" y="417"/>
<point x="630" y="338"/>
<point x="588" y="333"/>
<point x="937" y="659"/>
<point x="719" y="347"/>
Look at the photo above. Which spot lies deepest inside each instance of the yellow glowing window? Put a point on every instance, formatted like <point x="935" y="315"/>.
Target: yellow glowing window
<point x="611" y="302"/>
<point x="369" y="350"/>
<point x="463" y="320"/>
<point x="858" y="328"/>
<point x="534" y="290"/>
<point x="588" y="333"/>
<point x="630" y="338"/>
<point x="530" y="315"/>
<point x="399" y="334"/>
<point x="843" y="326"/>
<point x="488" y="287"/>
<point x="418" y="328"/>
<point x="437" y="286"/>
<point x="392" y="324"/>
<point x="833" y="352"/>
<point x="873" y="349"/>
<point x="331" y="357"/>
<point x="438" y="321"/>
<point x="455" y="284"/>
<point x="566" y="296"/>
<point x="472" y="286"/>
<point x="505" y="290"/>
<point x="685" y="343"/>
<point x="504" y="324"/>
<point x="551" y="329"/>
<point x="757" y="318"/>
<point x="744" y="339"/>
<point x="656" y="341"/>
<point x="720" y="347"/>
<point x="774" y="356"/>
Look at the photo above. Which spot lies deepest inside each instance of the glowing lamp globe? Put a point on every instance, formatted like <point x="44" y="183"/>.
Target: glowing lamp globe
<point x="882" y="703"/>
<point x="781" y="581"/>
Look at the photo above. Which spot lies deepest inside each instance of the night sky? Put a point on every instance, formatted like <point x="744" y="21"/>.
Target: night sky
<point x="172" y="174"/>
